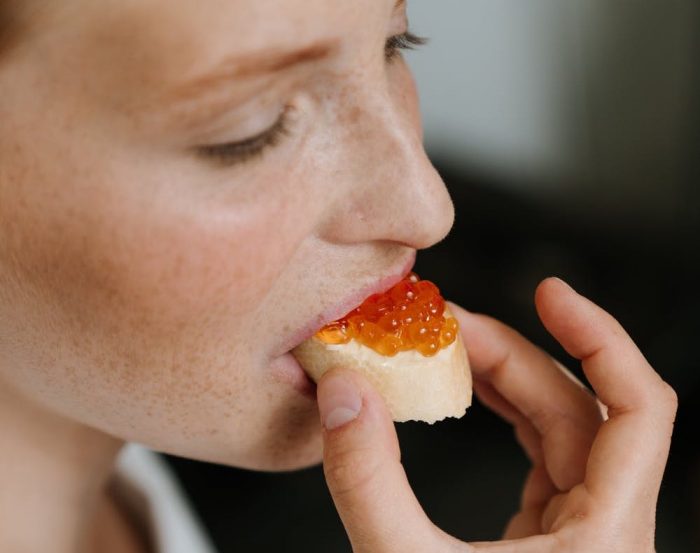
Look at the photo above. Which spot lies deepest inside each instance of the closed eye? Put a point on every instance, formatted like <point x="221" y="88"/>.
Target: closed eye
<point x="230" y="153"/>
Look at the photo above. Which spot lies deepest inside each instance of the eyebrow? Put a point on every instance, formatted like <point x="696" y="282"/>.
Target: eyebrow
<point x="251" y="65"/>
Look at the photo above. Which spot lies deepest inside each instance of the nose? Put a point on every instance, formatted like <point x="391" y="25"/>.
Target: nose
<point x="390" y="189"/>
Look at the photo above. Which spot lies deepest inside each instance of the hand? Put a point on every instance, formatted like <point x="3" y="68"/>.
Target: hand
<point x="595" y="478"/>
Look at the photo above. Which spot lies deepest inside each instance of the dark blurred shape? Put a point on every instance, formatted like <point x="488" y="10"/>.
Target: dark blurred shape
<point x="468" y="473"/>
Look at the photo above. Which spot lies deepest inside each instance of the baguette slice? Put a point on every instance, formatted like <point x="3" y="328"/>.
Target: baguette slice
<point x="413" y="386"/>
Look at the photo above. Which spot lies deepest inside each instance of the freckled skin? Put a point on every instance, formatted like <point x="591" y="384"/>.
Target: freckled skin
<point x="144" y="292"/>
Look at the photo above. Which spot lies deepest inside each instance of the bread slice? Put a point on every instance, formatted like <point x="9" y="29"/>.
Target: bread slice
<point x="413" y="386"/>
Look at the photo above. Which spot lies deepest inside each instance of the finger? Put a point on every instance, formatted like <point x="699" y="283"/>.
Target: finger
<point x="525" y="432"/>
<point x="537" y="495"/>
<point x="524" y="524"/>
<point x="563" y="412"/>
<point x="551" y="512"/>
<point x="538" y="489"/>
<point x="361" y="462"/>
<point x="631" y="450"/>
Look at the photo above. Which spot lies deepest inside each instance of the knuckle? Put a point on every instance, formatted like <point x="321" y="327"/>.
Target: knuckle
<point x="668" y="399"/>
<point x="588" y="525"/>
<point x="351" y="471"/>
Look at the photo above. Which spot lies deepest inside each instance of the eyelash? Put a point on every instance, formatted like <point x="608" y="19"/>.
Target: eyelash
<point x="403" y="41"/>
<point x="232" y="153"/>
<point x="250" y="148"/>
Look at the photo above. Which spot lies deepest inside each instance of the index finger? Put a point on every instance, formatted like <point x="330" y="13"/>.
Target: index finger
<point x="629" y="453"/>
<point x="536" y="389"/>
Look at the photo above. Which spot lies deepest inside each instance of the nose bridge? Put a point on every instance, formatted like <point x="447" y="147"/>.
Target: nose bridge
<point x="374" y="114"/>
<point x="395" y="193"/>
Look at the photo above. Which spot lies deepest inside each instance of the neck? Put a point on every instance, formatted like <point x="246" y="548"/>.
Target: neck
<point x="53" y="474"/>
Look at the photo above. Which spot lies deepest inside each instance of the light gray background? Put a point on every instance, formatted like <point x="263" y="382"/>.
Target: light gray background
<point x="585" y="101"/>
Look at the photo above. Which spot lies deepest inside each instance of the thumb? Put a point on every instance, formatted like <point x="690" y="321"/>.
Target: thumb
<point x="362" y="465"/>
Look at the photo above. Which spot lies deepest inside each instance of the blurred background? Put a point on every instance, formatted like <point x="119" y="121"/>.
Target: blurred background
<point x="569" y="136"/>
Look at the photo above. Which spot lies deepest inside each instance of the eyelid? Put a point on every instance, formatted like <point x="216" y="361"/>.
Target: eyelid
<point x="229" y="153"/>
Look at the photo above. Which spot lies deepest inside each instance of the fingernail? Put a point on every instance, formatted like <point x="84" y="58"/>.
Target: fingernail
<point x="339" y="402"/>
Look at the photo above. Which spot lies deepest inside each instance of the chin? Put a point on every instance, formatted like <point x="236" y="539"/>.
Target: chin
<point x="288" y="455"/>
<point x="309" y="455"/>
<point x="266" y="424"/>
<point x="295" y="443"/>
<point x="290" y="440"/>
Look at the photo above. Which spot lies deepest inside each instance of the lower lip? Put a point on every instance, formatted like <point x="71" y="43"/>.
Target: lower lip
<point x="287" y="369"/>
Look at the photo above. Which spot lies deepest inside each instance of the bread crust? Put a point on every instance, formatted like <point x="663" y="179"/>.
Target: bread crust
<point x="413" y="386"/>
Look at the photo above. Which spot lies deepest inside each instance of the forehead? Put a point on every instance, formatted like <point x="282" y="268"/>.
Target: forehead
<point x="171" y="39"/>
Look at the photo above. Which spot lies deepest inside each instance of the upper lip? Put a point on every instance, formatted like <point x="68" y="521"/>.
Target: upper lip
<point x="351" y="301"/>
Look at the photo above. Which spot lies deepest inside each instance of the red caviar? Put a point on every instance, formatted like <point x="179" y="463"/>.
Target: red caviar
<point x="408" y="316"/>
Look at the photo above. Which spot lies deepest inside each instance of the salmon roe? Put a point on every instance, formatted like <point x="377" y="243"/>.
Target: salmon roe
<point x="408" y="316"/>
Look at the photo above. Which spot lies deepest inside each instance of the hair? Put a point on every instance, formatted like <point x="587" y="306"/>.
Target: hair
<point x="6" y="25"/>
<point x="12" y="13"/>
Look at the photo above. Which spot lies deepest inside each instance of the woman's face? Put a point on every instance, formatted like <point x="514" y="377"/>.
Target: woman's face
<point x="187" y="190"/>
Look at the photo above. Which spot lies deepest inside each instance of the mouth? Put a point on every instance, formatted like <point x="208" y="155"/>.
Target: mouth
<point x="286" y="368"/>
<point x="351" y="301"/>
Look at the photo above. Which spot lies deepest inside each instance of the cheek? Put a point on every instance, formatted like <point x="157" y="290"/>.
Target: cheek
<point x="100" y="253"/>
<point x="134" y="314"/>
<point x="127" y="265"/>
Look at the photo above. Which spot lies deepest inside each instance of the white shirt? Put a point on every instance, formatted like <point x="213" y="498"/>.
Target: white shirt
<point x="171" y="522"/>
